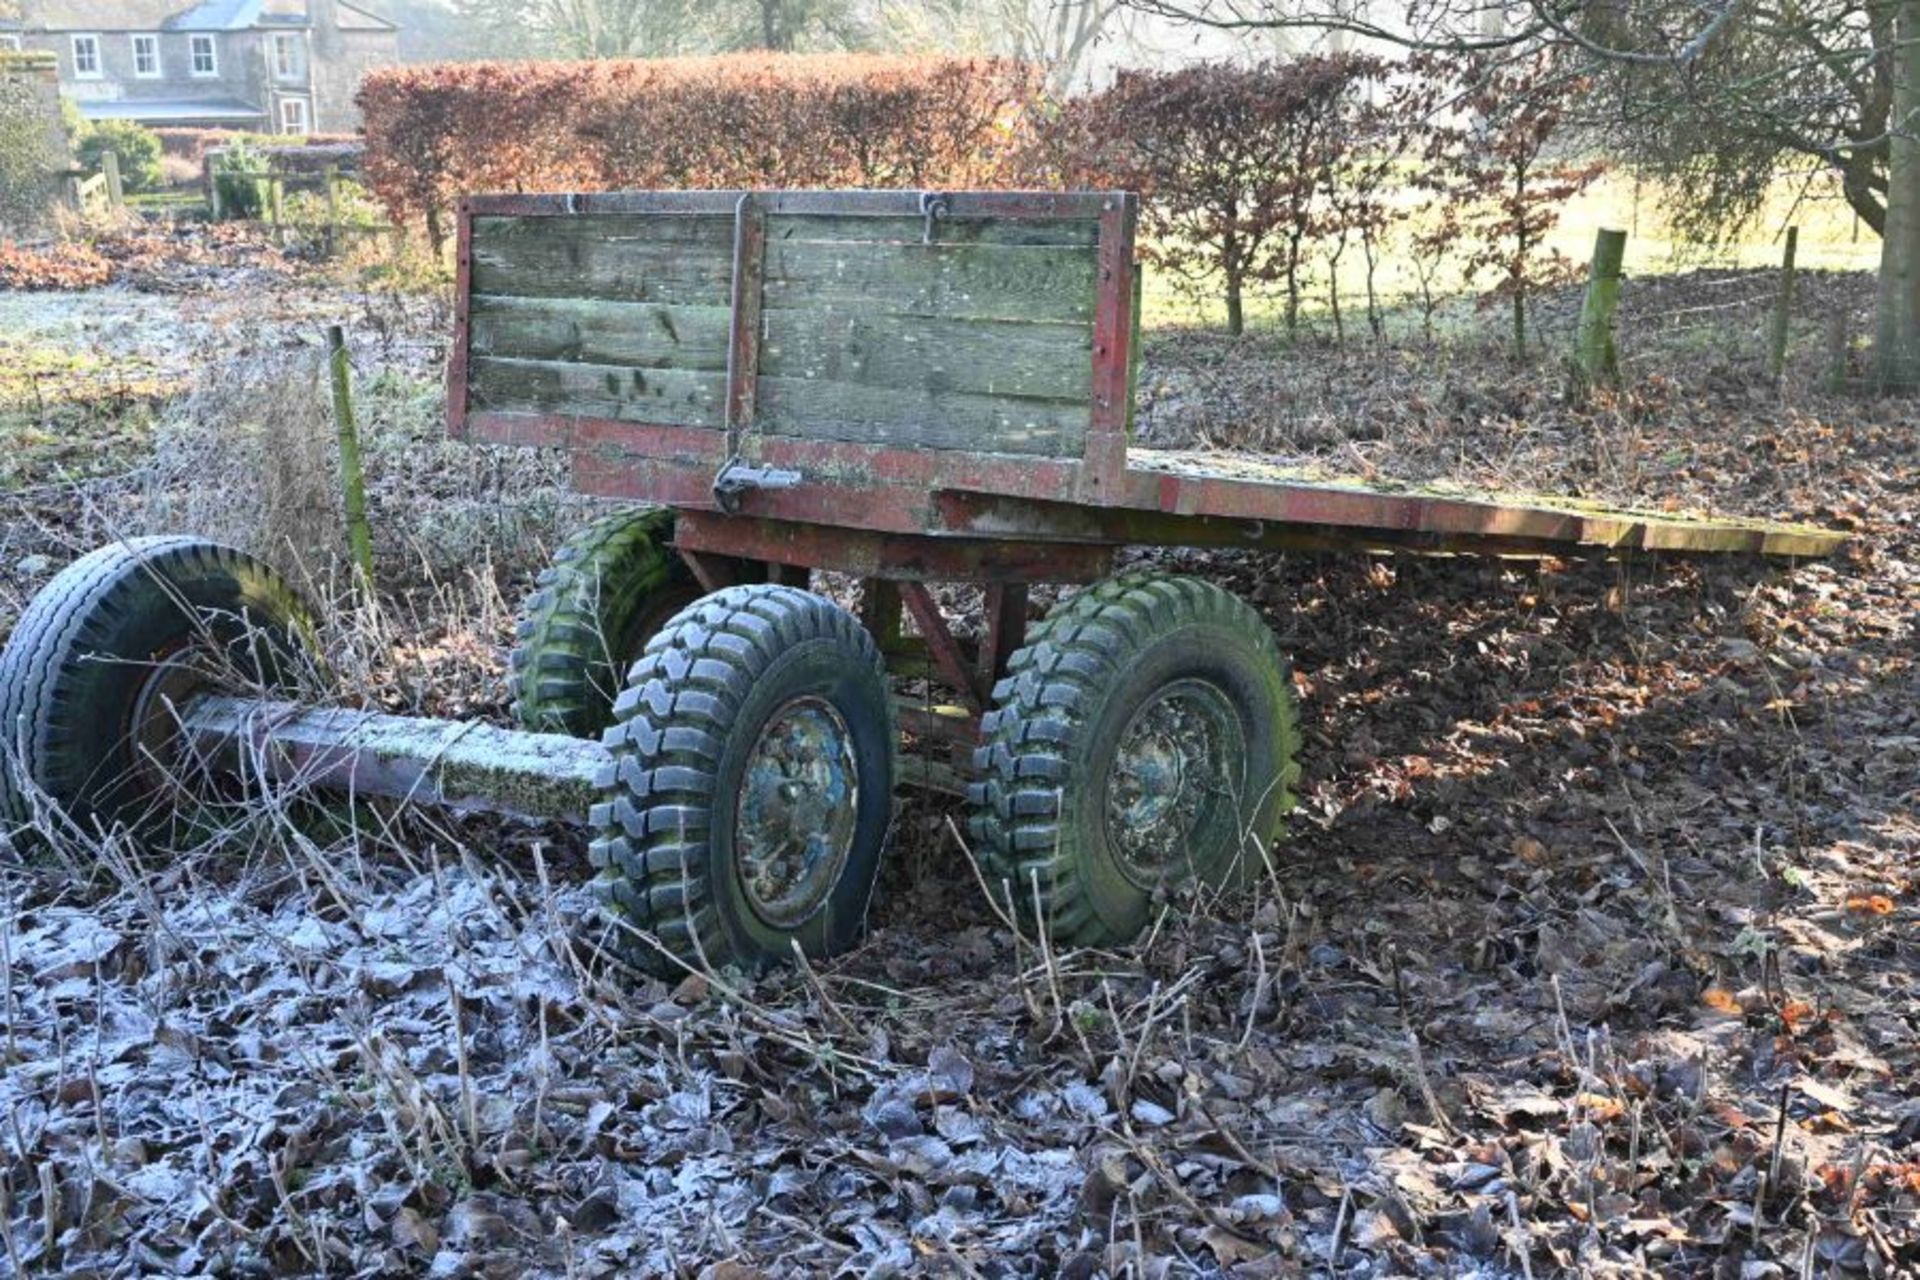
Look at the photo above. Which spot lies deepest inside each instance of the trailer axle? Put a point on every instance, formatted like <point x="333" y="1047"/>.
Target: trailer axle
<point x="461" y="765"/>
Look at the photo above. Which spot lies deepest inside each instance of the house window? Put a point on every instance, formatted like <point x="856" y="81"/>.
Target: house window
<point x="286" y="56"/>
<point x="86" y="57"/>
<point x="146" y="57"/>
<point x="293" y="115"/>
<point x="201" y="50"/>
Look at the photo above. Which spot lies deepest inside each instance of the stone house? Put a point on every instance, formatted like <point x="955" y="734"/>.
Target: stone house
<point x="271" y="66"/>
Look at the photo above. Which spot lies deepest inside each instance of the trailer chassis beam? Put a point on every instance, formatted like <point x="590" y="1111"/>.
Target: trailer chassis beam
<point x="906" y="557"/>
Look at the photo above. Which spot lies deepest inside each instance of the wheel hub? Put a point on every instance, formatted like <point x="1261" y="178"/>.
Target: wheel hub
<point x="1174" y="776"/>
<point x="795" y="815"/>
<point x="154" y="721"/>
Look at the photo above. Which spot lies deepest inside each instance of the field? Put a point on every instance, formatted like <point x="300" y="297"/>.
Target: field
<point x="1591" y="951"/>
<point x="1830" y="239"/>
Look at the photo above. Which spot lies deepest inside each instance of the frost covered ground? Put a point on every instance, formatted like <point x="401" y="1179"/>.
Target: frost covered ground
<point x="1592" y="952"/>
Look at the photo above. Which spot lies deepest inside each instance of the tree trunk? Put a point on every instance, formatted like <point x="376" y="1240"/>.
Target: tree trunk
<point x="1896" y="360"/>
<point x="1293" y="288"/>
<point x="1373" y="295"/>
<point x="1333" y="296"/>
<point x="1236" y="316"/>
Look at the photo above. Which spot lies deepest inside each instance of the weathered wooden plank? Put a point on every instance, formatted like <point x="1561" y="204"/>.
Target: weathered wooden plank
<point x="1084" y="233"/>
<point x="675" y="397"/>
<point x="597" y="331"/>
<point x="652" y="228"/>
<point x="816" y="409"/>
<point x="678" y="261"/>
<point x="972" y="281"/>
<point x="934" y="354"/>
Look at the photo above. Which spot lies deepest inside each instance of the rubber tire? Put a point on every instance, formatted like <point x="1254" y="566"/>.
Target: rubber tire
<point x="611" y="587"/>
<point x="692" y="710"/>
<point x="74" y="667"/>
<point x="1058" y="715"/>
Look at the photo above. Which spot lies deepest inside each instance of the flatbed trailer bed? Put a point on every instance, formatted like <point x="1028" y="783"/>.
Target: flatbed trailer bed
<point x="909" y="387"/>
<point x="980" y="388"/>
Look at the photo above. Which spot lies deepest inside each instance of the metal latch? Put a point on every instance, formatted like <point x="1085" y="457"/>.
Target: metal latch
<point x="737" y="478"/>
<point x="933" y="206"/>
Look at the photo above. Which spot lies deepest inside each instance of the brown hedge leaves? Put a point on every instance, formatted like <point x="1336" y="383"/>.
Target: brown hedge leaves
<point x="437" y="132"/>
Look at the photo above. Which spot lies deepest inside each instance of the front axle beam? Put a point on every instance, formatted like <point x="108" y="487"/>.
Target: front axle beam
<point x="461" y="765"/>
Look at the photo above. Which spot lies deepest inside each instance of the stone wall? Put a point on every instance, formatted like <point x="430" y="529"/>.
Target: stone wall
<point x="33" y="142"/>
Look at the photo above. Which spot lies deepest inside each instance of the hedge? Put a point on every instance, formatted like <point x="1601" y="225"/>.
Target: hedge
<point x="437" y="132"/>
<point x="136" y="148"/>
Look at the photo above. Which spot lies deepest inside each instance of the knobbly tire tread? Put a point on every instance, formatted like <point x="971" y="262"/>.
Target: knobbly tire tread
<point x="57" y="651"/>
<point x="652" y="834"/>
<point x="1055" y="685"/>
<point x="617" y="575"/>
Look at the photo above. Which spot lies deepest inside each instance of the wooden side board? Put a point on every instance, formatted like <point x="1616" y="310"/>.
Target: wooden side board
<point x="953" y="334"/>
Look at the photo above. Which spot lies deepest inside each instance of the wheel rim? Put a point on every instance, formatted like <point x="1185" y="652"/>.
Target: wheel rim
<point x="798" y="806"/>
<point x="178" y="673"/>
<point x="1173" y="789"/>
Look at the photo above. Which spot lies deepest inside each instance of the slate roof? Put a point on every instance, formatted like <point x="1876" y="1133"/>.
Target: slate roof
<point x="184" y="15"/>
<point x="172" y="112"/>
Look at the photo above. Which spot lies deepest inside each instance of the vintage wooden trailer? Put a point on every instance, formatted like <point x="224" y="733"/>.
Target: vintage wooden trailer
<point x="908" y="387"/>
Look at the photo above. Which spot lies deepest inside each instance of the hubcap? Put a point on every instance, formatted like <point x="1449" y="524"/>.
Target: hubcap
<point x="795" y="816"/>
<point x="1174" y="782"/>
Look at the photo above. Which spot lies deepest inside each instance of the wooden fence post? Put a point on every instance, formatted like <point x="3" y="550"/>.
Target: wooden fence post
<point x="1783" y="309"/>
<point x="353" y="478"/>
<point x="276" y="194"/>
<point x="116" y="195"/>
<point x="1596" y="359"/>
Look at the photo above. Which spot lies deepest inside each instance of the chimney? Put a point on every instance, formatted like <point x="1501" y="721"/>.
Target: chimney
<point x="323" y="17"/>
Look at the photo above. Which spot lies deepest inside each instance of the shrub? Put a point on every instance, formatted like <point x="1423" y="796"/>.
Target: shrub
<point x="178" y="171"/>
<point x="437" y="132"/>
<point x="193" y="144"/>
<point x="1502" y="185"/>
<point x="243" y="194"/>
<point x="345" y="157"/>
<point x="137" y="148"/>
<point x="1233" y="163"/>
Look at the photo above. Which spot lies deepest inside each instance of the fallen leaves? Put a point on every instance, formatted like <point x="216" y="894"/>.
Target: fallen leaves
<point x="171" y="257"/>
<point x="62" y="265"/>
<point x="1558" y="842"/>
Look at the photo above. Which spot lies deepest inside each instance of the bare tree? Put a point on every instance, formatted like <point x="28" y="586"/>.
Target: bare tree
<point x="796" y="26"/>
<point x="583" y="28"/>
<point x="1054" y="34"/>
<point x="1720" y="91"/>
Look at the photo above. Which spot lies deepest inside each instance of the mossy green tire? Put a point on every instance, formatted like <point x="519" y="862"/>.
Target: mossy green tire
<point x="610" y="588"/>
<point x="689" y="730"/>
<point x="1078" y="719"/>
<point x="83" y="660"/>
